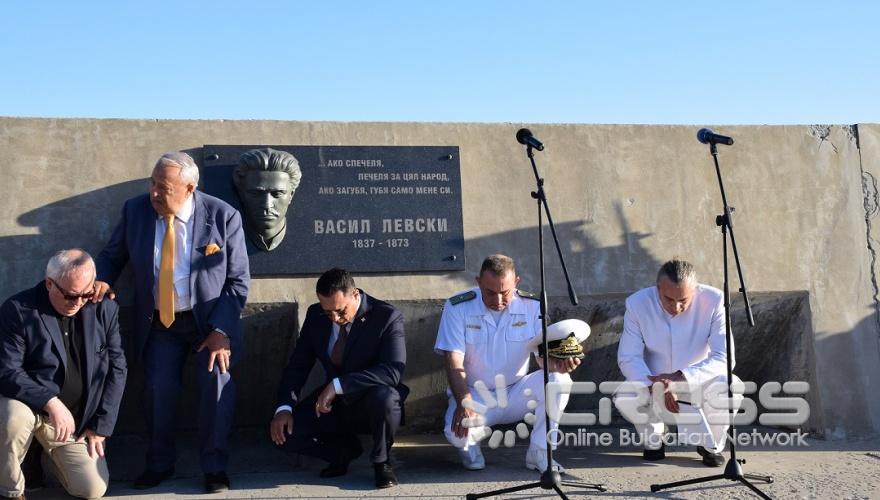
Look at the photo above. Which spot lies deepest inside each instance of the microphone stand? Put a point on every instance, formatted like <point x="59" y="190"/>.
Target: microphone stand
<point x="550" y="478"/>
<point x="733" y="470"/>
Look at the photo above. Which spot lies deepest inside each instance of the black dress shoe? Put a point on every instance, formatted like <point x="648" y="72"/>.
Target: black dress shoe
<point x="334" y="470"/>
<point x="348" y="452"/>
<point x="215" y="482"/>
<point x="384" y="475"/>
<point x="710" y="459"/>
<point x="654" y="455"/>
<point x="150" y="479"/>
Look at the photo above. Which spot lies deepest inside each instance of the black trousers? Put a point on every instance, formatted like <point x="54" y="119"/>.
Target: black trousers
<point x="333" y="436"/>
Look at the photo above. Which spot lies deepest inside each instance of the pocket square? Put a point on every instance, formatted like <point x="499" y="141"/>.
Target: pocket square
<point x="211" y="249"/>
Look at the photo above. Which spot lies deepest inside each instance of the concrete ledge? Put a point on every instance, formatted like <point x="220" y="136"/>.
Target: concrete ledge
<point x="779" y="348"/>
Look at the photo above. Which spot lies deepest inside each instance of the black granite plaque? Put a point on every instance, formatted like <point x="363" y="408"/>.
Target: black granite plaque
<point x="364" y="208"/>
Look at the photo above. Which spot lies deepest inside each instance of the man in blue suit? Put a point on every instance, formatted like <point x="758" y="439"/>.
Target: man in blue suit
<point x="359" y="342"/>
<point x="62" y="373"/>
<point x="191" y="281"/>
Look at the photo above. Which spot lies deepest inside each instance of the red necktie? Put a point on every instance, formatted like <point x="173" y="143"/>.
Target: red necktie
<point x="339" y="347"/>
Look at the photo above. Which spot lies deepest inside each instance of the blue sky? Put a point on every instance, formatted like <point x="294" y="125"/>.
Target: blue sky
<point x="721" y="62"/>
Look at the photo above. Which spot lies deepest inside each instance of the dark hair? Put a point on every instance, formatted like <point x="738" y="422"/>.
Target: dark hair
<point x="334" y="280"/>
<point x="677" y="271"/>
<point x="498" y="264"/>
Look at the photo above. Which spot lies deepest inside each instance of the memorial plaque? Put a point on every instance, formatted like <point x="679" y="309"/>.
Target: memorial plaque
<point x="364" y="208"/>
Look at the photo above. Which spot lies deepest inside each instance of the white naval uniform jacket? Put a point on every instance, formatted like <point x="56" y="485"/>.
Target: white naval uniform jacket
<point x="489" y="348"/>
<point x="655" y="342"/>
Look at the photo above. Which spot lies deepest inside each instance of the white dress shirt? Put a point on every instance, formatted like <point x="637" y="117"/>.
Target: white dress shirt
<point x="183" y="229"/>
<point x="655" y="342"/>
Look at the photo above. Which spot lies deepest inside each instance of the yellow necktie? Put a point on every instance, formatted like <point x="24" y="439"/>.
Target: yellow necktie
<point x="166" y="275"/>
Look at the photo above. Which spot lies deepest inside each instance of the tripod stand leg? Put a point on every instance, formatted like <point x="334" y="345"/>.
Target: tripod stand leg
<point x="472" y="496"/>
<point x="754" y="488"/>
<point x="758" y="477"/>
<point x="559" y="492"/>
<point x="575" y="484"/>
<point x="657" y="487"/>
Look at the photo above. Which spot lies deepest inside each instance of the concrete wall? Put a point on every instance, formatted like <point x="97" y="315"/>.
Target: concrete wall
<point x="624" y="198"/>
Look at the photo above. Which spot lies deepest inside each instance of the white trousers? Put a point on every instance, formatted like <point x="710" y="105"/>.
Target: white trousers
<point x="516" y="409"/>
<point x="709" y="429"/>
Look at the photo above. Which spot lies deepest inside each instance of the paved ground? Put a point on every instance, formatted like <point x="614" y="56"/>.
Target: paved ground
<point x="428" y="468"/>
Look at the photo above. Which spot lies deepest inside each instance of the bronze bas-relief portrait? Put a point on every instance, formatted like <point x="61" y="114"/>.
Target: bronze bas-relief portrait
<point x="265" y="180"/>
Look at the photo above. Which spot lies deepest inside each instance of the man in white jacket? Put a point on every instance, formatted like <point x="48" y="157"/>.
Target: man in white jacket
<point x="675" y="332"/>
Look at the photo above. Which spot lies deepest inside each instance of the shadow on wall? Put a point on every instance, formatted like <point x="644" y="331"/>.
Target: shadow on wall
<point x="623" y="267"/>
<point x="84" y="220"/>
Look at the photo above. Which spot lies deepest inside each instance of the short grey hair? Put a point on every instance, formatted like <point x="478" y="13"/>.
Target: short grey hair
<point x="69" y="262"/>
<point x="189" y="171"/>
<point x="498" y="264"/>
<point x="677" y="271"/>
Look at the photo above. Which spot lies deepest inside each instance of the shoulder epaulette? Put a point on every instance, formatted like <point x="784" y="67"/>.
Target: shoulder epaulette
<point x="527" y="295"/>
<point x="463" y="297"/>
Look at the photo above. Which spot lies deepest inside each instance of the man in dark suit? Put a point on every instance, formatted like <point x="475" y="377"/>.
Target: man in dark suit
<point x="62" y="373"/>
<point x="191" y="281"/>
<point x="359" y="341"/>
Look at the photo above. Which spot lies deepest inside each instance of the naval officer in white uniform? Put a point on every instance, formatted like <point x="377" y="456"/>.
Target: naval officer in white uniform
<point x="485" y="332"/>
<point x="675" y="332"/>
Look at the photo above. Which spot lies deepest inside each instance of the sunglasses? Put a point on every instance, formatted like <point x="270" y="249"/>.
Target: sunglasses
<point x="70" y="296"/>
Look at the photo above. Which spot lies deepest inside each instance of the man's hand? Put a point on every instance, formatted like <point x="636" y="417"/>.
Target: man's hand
<point x="102" y="289"/>
<point x="670" y="398"/>
<point x="667" y="378"/>
<point x="281" y="427"/>
<point x="61" y="419"/>
<point x="671" y="401"/>
<point x="94" y="441"/>
<point x="460" y="414"/>
<point x="566" y="365"/>
<point x="325" y="400"/>
<point x="218" y="345"/>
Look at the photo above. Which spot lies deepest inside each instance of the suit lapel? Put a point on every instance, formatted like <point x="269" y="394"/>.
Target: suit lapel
<point x="202" y="234"/>
<point x="87" y="315"/>
<point x="50" y="324"/>
<point x="357" y="325"/>
<point x="145" y="258"/>
<point x="326" y="335"/>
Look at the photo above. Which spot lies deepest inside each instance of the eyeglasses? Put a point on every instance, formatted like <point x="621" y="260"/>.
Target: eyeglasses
<point x="71" y="297"/>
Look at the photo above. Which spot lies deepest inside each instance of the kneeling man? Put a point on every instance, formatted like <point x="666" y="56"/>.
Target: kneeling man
<point x="360" y="343"/>
<point x="675" y="332"/>
<point x="486" y="336"/>
<point x="62" y="373"/>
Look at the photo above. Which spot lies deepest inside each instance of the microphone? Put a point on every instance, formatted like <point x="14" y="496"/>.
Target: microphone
<point x="524" y="136"/>
<point x="706" y="136"/>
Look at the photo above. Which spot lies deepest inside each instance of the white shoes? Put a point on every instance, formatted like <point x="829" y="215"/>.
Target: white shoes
<point x="536" y="459"/>
<point x="472" y="458"/>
